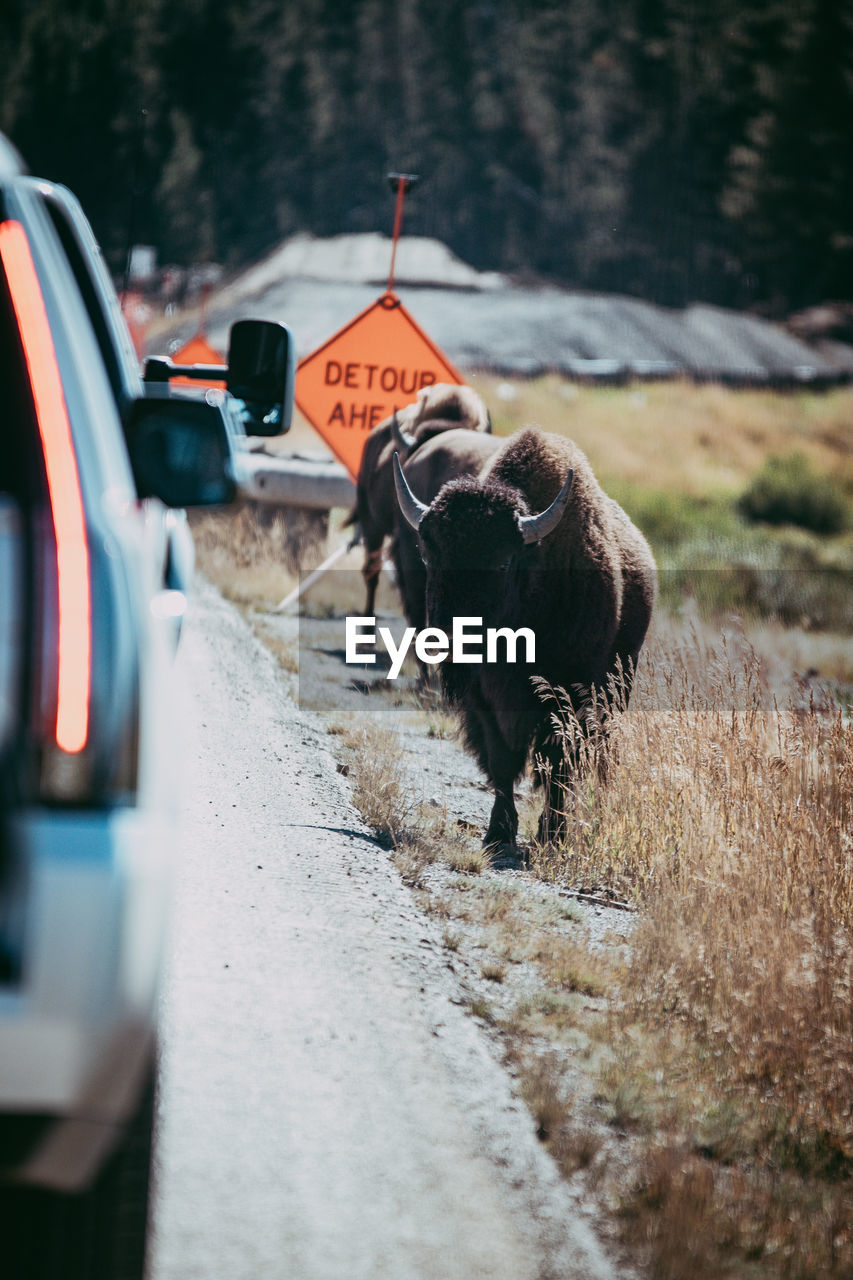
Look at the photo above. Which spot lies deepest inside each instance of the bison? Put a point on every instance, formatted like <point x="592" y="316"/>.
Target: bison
<point x="438" y="408"/>
<point x="532" y="541"/>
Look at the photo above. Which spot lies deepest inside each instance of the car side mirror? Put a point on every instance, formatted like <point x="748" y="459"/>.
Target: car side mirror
<point x="261" y="373"/>
<point x="181" y="452"/>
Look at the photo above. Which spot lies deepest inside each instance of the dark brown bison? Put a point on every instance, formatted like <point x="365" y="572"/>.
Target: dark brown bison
<point x="439" y="408"/>
<point x="532" y="541"/>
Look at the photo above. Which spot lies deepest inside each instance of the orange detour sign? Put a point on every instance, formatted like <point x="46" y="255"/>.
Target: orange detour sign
<point x="197" y="351"/>
<point x="375" y="364"/>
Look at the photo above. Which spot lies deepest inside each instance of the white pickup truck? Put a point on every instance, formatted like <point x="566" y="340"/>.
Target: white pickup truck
<point x="95" y="468"/>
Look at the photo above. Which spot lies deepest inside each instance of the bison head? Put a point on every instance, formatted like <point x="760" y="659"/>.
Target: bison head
<point x="473" y="539"/>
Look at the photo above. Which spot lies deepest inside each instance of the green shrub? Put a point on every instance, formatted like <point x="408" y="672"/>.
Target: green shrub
<point x="793" y="577"/>
<point x="787" y="490"/>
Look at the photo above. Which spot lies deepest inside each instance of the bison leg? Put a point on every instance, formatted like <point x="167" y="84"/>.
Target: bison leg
<point x="371" y="582"/>
<point x="503" y="823"/>
<point x="501" y="763"/>
<point x="559" y="759"/>
<point x="370" y="571"/>
<point x="554" y="772"/>
<point x="582" y="750"/>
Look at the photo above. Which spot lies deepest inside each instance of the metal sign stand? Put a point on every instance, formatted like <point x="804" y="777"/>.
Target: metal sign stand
<point x="401" y="183"/>
<point x="314" y="576"/>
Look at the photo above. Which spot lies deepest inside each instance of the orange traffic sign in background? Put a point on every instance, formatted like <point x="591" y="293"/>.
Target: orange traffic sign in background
<point x="197" y="351"/>
<point x="375" y="364"/>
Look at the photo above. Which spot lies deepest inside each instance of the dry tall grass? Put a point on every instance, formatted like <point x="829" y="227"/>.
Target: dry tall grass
<point x="728" y="815"/>
<point x="383" y="793"/>
<point x="253" y="552"/>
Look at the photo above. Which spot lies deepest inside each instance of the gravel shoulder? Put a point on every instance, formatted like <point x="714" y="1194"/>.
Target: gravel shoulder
<point x="328" y="1107"/>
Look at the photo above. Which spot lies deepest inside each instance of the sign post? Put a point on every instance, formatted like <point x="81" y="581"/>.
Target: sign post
<point x="401" y="182"/>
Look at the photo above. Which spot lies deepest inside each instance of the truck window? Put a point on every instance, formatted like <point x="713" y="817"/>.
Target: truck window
<point x="89" y="292"/>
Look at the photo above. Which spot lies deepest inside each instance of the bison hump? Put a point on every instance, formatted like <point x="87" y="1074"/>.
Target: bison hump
<point x="537" y="463"/>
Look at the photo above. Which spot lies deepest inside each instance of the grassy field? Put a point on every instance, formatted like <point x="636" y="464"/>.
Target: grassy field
<point x="715" y="1048"/>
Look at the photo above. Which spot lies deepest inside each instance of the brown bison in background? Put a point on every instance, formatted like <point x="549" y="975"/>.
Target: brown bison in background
<point x="532" y="541"/>
<point x="439" y="408"/>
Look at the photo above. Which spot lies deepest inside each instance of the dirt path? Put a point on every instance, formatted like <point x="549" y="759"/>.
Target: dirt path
<point x="328" y="1110"/>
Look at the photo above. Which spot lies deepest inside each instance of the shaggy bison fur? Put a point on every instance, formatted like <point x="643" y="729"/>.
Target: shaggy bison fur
<point x="586" y="589"/>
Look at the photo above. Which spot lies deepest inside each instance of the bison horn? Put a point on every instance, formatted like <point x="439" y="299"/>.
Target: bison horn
<point x="413" y="510"/>
<point x="402" y="439"/>
<point x="534" y="528"/>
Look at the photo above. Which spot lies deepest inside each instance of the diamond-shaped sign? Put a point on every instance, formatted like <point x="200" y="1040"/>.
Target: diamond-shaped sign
<point x="375" y="364"/>
<point x="197" y="351"/>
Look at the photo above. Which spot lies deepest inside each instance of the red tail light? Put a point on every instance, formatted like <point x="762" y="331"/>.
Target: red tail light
<point x="66" y="502"/>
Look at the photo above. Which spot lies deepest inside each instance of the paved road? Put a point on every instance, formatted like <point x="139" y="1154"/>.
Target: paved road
<point x="327" y="1111"/>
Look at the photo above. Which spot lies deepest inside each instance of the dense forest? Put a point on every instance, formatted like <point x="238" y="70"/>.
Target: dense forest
<point x="671" y="149"/>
